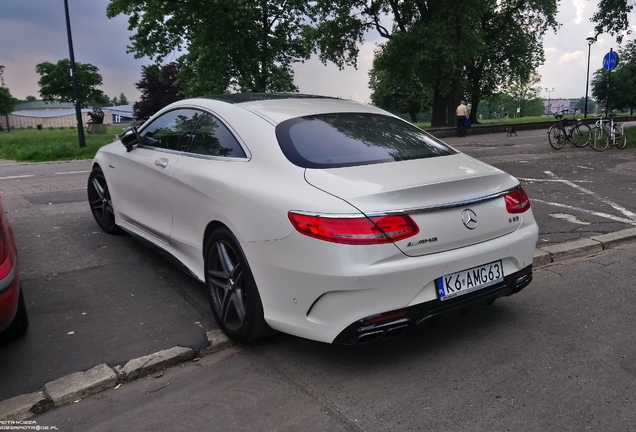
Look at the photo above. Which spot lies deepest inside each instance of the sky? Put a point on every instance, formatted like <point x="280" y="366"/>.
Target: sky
<point x="34" y="31"/>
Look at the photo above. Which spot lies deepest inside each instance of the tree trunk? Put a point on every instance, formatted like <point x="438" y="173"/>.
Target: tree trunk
<point x="438" y="116"/>
<point x="473" y="111"/>
<point x="413" y="115"/>
<point x="453" y="100"/>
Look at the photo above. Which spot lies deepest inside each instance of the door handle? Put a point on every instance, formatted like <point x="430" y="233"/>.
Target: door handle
<point x="161" y="163"/>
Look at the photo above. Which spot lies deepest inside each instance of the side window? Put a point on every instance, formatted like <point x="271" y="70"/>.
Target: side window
<point x="172" y="130"/>
<point x="212" y="138"/>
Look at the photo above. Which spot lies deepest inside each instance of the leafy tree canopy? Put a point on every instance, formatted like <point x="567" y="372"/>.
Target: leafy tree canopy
<point x="621" y="86"/>
<point x="7" y="102"/>
<point x="240" y="45"/>
<point x="158" y="89"/>
<point x="449" y="47"/>
<point x="612" y="17"/>
<point x="396" y="88"/>
<point x="30" y="98"/>
<point x="56" y="83"/>
<point x="123" y="100"/>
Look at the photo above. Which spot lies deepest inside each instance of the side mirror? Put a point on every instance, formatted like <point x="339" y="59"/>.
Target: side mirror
<point x="130" y="137"/>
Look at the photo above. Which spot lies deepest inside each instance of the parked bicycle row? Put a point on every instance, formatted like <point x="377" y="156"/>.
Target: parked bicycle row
<point x="604" y="133"/>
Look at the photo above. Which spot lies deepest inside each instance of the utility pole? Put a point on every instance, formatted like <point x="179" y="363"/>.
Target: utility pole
<point x="2" y="85"/>
<point x="78" y="107"/>
<point x="590" y="41"/>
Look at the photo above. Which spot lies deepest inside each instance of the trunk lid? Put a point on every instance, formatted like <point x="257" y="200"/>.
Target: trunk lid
<point x="419" y="188"/>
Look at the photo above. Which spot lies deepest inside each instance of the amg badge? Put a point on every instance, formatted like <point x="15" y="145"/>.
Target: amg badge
<point x="423" y="241"/>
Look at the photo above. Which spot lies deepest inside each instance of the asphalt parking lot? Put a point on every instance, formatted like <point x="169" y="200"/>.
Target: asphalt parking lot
<point x="94" y="298"/>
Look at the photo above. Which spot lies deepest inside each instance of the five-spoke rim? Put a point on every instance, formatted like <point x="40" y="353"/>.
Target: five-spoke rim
<point x="100" y="202"/>
<point x="226" y="282"/>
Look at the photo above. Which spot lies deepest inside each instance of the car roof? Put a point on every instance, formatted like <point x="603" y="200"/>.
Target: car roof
<point x="236" y="98"/>
<point x="278" y="107"/>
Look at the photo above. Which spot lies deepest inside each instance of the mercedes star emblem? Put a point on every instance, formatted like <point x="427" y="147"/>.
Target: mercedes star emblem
<point x="469" y="218"/>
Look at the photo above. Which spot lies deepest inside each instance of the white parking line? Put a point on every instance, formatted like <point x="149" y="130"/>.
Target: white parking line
<point x="71" y="172"/>
<point x="17" y="177"/>
<point x="600" y="214"/>
<point x="618" y="207"/>
<point x="553" y="180"/>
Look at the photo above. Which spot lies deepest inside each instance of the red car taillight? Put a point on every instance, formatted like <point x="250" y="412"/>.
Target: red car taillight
<point x="356" y="230"/>
<point x="517" y="201"/>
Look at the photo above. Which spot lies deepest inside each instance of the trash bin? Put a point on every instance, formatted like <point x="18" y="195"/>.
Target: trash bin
<point x="39" y="127"/>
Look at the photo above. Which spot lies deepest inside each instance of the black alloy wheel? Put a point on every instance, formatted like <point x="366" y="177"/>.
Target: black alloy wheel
<point x="101" y="203"/>
<point x="232" y="291"/>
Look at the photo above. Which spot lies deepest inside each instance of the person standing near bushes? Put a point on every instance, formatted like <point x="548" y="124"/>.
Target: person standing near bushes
<point x="462" y="113"/>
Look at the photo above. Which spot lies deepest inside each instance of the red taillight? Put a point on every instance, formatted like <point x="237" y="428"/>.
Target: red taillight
<point x="517" y="201"/>
<point x="356" y="230"/>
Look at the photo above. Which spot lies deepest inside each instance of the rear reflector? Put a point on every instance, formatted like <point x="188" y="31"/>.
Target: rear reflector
<point x="384" y="317"/>
<point x="355" y="231"/>
<point x="517" y="201"/>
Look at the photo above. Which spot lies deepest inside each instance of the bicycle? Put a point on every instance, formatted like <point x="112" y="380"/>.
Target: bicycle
<point x="603" y="133"/>
<point x="578" y="134"/>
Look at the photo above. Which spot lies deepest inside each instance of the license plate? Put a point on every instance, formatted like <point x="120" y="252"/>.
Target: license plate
<point x="464" y="282"/>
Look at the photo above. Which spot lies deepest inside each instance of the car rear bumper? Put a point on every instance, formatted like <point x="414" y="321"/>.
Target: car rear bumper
<point x="396" y="322"/>
<point x="316" y="289"/>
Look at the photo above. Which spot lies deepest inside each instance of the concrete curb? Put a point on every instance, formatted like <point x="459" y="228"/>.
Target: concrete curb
<point x="70" y="388"/>
<point x="578" y="248"/>
<point x="153" y="362"/>
<point x="75" y="386"/>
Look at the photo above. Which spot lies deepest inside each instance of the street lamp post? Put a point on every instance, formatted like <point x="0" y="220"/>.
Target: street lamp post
<point x="590" y="40"/>
<point x="78" y="108"/>
<point x="2" y="85"/>
<point x="549" y="100"/>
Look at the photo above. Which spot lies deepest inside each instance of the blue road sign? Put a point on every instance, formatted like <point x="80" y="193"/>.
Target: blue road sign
<point x="610" y="60"/>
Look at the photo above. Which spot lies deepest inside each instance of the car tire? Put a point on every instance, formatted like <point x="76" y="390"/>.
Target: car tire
<point x="232" y="292"/>
<point x="100" y="202"/>
<point x="20" y="323"/>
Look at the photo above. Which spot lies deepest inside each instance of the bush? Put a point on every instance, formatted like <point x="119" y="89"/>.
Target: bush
<point x="29" y="127"/>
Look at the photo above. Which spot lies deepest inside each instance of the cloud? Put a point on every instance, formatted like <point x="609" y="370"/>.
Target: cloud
<point x="571" y="57"/>
<point x="580" y="6"/>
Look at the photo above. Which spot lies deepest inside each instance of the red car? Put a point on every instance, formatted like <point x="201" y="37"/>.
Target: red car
<point x="13" y="314"/>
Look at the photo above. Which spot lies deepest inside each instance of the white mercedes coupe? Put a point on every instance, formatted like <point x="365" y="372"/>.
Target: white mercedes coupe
<point x="319" y="217"/>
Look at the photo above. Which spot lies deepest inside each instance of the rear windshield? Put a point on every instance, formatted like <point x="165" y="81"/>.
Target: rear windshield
<point x="349" y="139"/>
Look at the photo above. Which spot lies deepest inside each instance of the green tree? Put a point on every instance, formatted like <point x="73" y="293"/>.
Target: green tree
<point x="98" y="99"/>
<point x="114" y="101"/>
<point x="56" y="84"/>
<point x="453" y="47"/>
<point x="399" y="92"/>
<point x="621" y="86"/>
<point x="580" y="104"/>
<point x="524" y="90"/>
<point x="30" y="98"/>
<point x="239" y="45"/>
<point x="512" y="48"/>
<point x="612" y="17"/>
<point x="123" y="100"/>
<point x="7" y="104"/>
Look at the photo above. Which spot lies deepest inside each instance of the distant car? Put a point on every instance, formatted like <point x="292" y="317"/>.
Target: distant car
<point x="13" y="315"/>
<point x="314" y="216"/>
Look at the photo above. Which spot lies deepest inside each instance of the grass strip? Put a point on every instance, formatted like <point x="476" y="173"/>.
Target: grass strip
<point x="32" y="145"/>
